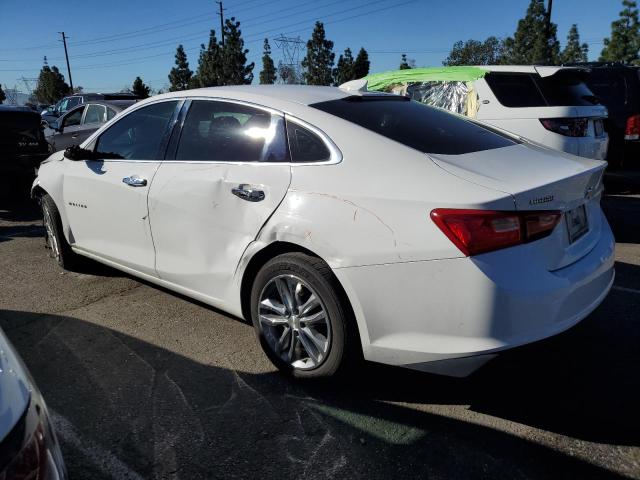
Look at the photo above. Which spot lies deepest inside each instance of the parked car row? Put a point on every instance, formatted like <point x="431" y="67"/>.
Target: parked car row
<point x="318" y="213"/>
<point x="75" y="126"/>
<point x="72" y="101"/>
<point x="618" y="88"/>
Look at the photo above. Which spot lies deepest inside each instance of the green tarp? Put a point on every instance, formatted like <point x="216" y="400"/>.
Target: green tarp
<point x="380" y="81"/>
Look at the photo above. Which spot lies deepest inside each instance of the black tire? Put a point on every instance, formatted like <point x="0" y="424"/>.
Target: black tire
<point x="54" y="238"/>
<point x="344" y="349"/>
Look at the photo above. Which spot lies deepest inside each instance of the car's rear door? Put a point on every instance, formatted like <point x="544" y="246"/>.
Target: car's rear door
<point x="226" y="173"/>
<point x="106" y="199"/>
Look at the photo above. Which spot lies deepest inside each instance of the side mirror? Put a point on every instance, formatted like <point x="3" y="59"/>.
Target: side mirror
<point x="76" y="153"/>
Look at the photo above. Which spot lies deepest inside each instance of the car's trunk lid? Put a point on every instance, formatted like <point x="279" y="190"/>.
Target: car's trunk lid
<point x="540" y="179"/>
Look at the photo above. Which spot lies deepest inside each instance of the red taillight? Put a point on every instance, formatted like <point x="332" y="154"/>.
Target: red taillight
<point x="481" y="231"/>
<point x="569" y="127"/>
<point x="632" y="132"/>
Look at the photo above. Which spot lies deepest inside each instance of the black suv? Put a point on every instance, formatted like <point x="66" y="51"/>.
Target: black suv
<point x="618" y="87"/>
<point x="22" y="147"/>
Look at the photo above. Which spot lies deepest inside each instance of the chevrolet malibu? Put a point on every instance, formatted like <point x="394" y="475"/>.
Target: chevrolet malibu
<point x="345" y="224"/>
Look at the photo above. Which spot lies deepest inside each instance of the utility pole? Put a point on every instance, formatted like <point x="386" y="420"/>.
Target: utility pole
<point x="66" y="54"/>
<point x="221" y="21"/>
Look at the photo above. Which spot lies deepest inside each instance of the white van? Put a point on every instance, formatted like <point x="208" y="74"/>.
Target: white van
<point x="549" y="105"/>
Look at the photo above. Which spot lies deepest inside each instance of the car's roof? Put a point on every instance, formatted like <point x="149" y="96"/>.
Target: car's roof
<point x="15" y="108"/>
<point x="543" y="70"/>
<point x="271" y="95"/>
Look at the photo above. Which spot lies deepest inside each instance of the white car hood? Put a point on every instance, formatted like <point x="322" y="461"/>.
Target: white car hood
<point x="14" y="387"/>
<point x="527" y="172"/>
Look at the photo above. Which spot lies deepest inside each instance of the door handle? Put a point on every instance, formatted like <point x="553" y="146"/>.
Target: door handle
<point x="248" y="192"/>
<point x="135" y="181"/>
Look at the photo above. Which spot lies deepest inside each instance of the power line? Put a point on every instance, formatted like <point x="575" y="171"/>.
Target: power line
<point x="260" y="35"/>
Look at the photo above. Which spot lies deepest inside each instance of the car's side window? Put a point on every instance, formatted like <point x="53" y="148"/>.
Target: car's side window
<point x="231" y="132"/>
<point x="110" y="113"/>
<point x="73" y="118"/>
<point x="515" y="90"/>
<point x="305" y="145"/>
<point x="138" y="135"/>
<point x="95" y="114"/>
<point x="73" y="102"/>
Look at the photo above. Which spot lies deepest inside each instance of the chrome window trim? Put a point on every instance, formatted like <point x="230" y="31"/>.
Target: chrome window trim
<point x="335" y="153"/>
<point x="123" y="113"/>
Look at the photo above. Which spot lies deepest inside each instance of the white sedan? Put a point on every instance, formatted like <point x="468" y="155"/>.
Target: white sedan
<point x="344" y="224"/>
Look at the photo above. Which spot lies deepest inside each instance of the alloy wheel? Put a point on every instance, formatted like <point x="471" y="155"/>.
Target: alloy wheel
<point x="294" y="322"/>
<point x="52" y="240"/>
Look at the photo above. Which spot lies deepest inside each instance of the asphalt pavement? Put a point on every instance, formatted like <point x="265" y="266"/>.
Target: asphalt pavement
<point x="144" y="383"/>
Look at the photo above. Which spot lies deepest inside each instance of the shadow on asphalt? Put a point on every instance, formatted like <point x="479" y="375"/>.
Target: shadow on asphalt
<point x="123" y="403"/>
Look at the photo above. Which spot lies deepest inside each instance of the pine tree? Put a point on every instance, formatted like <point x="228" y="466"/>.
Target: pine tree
<point x="139" y="88"/>
<point x="180" y="75"/>
<point x="574" y="52"/>
<point x="624" y="43"/>
<point x="533" y="42"/>
<point x="3" y="96"/>
<point x="268" y="73"/>
<point x="234" y="56"/>
<point x="361" y="64"/>
<point x="475" y="52"/>
<point x="209" y="72"/>
<point x="318" y="63"/>
<point x="344" y="68"/>
<point x="404" y="65"/>
<point x="51" y="85"/>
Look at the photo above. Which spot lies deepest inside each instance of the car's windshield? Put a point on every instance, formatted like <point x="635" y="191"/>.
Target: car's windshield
<point x="427" y="129"/>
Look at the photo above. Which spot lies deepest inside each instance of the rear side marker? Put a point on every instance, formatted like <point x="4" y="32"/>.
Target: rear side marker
<point x="481" y="231"/>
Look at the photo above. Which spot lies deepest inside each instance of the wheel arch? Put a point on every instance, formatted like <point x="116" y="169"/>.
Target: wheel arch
<point x="272" y="250"/>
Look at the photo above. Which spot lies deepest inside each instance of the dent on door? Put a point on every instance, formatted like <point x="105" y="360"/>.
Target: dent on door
<point x="204" y="215"/>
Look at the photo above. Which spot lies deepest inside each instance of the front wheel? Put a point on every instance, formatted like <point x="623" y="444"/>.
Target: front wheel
<point x="55" y="240"/>
<point x="300" y="318"/>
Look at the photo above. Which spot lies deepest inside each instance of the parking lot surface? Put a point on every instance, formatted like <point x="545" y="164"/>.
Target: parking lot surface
<point x="144" y="383"/>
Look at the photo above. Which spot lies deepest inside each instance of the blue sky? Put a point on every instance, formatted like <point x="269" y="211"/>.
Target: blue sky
<point x="113" y="42"/>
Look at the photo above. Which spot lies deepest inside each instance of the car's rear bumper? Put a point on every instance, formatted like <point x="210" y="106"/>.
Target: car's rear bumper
<point x="423" y="315"/>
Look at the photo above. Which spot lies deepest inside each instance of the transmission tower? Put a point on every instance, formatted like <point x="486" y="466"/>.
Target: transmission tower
<point x="290" y="48"/>
<point x="30" y="85"/>
<point x="12" y="95"/>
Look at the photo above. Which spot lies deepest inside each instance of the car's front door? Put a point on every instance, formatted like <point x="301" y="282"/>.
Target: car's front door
<point x="95" y="115"/>
<point x="222" y="180"/>
<point x="106" y="199"/>
<point x="68" y="127"/>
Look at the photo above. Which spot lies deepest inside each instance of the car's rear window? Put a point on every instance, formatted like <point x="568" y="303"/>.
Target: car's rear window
<point x="517" y="90"/>
<point x="427" y="129"/>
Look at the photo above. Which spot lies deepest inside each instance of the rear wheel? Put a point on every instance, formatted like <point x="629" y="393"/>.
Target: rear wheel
<point x="300" y="317"/>
<point x="55" y="240"/>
